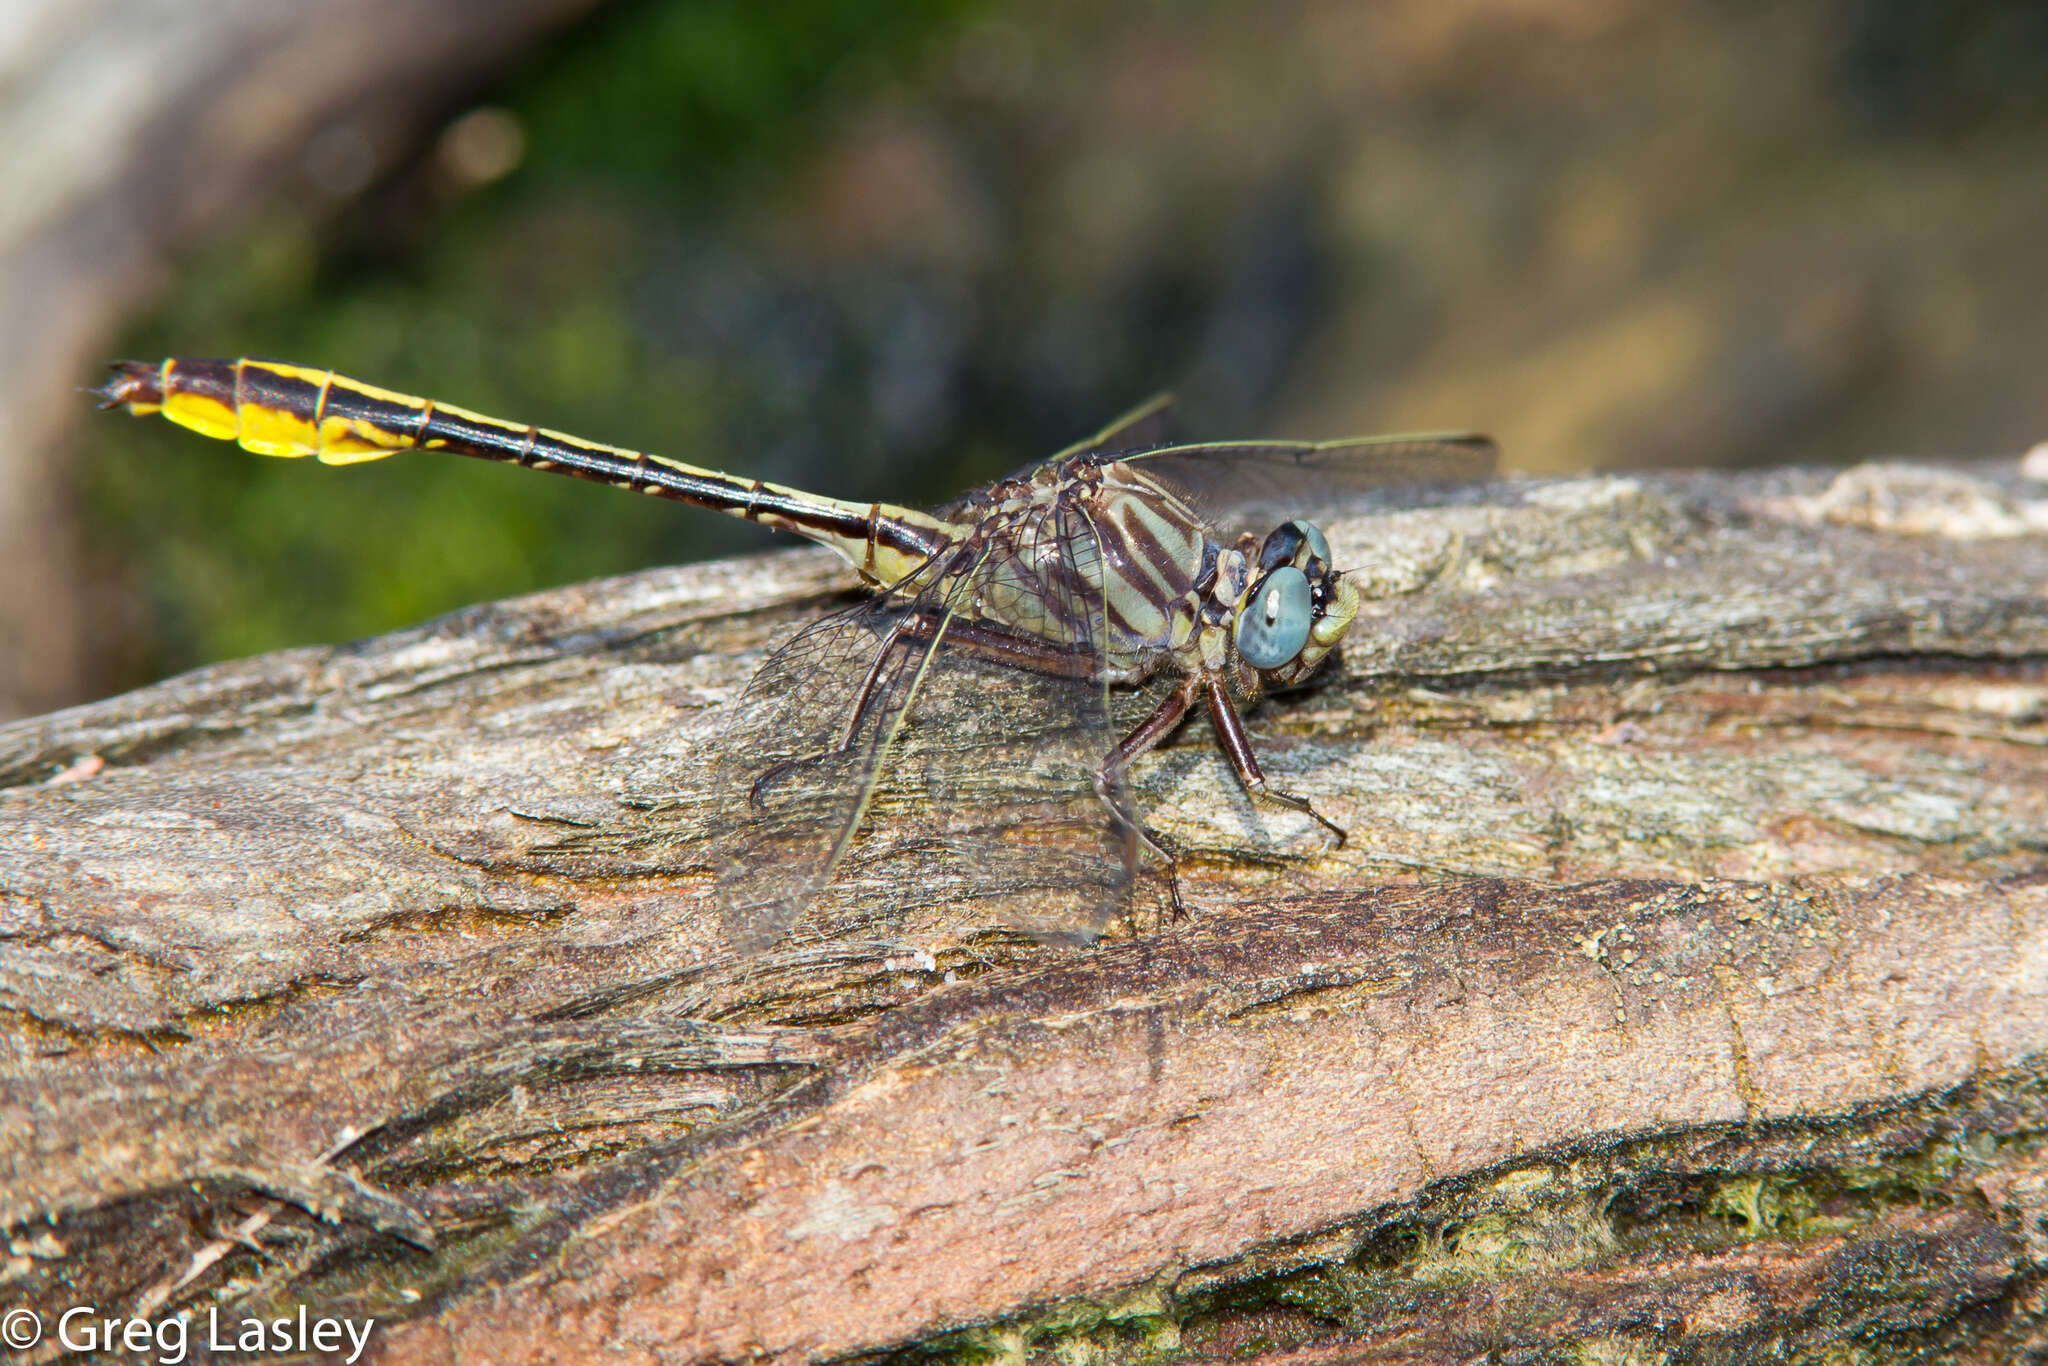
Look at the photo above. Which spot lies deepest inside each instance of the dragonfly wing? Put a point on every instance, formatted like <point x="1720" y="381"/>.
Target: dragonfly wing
<point x="978" y="768"/>
<point x="1035" y="848"/>
<point x="1143" y="427"/>
<point x="1252" y="485"/>
<point x="807" y="743"/>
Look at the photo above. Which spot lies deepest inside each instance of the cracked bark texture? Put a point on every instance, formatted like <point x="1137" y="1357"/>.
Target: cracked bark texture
<point x="1681" y="994"/>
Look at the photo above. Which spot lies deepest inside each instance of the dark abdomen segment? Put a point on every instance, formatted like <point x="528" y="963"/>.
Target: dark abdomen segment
<point x="273" y="408"/>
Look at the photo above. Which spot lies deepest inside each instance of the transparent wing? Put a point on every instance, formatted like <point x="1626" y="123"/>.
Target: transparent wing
<point x="805" y="745"/>
<point x="1251" y="485"/>
<point x="1144" y="426"/>
<point x="883" y="769"/>
<point x="1045" y="854"/>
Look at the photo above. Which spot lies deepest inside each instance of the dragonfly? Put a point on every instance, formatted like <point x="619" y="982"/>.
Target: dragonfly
<point x="1120" y="563"/>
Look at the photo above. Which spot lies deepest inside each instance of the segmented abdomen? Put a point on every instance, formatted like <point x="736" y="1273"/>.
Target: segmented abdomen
<point x="273" y="408"/>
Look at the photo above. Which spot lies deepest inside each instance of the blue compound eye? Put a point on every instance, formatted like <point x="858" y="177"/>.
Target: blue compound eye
<point x="1318" y="544"/>
<point x="1273" y="626"/>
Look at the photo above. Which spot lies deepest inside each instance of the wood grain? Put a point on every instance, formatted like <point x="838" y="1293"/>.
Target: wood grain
<point x="1682" y="989"/>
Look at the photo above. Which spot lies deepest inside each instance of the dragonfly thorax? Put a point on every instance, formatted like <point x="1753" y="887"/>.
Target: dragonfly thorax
<point x="1088" y="554"/>
<point x="1098" y="553"/>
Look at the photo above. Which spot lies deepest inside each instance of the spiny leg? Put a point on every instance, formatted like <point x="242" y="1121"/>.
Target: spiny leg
<point x="1109" y="775"/>
<point x="1109" y="782"/>
<point x="921" y="628"/>
<point x="887" y="695"/>
<point x="1039" y="656"/>
<point x="1238" y="745"/>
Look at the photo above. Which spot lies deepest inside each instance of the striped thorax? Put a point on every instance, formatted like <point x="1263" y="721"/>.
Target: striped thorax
<point x="1092" y="536"/>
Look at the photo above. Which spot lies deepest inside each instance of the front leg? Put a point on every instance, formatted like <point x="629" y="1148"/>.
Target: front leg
<point x="1238" y="745"/>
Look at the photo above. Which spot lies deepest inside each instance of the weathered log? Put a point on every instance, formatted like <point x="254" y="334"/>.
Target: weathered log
<point x="1683" y="987"/>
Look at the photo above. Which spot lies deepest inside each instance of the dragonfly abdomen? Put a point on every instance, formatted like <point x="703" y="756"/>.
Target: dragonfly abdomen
<point x="273" y="408"/>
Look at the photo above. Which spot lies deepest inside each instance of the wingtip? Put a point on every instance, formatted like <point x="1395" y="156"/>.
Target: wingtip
<point x="1158" y="403"/>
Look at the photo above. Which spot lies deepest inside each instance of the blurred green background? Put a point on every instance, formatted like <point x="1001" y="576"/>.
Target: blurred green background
<point x="891" y="250"/>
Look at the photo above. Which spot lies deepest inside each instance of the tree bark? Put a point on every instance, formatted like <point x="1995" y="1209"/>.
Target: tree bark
<point x="1680" y="994"/>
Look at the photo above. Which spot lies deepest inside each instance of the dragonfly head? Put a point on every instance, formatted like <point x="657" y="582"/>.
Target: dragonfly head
<point x="1298" y="606"/>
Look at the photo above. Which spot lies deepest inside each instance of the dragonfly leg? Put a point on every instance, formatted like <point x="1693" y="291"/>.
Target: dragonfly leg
<point x="1109" y="779"/>
<point x="1019" y="652"/>
<point x="911" y="630"/>
<point x="917" y="630"/>
<point x="1238" y="745"/>
<point x="1041" y="657"/>
<point x="1109" y="784"/>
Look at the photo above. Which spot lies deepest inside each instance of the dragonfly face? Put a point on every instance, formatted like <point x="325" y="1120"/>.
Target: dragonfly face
<point x="1092" y="569"/>
<point x="1296" y="607"/>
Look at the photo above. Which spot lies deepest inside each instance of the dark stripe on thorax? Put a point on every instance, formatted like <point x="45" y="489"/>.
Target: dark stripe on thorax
<point x="1145" y="553"/>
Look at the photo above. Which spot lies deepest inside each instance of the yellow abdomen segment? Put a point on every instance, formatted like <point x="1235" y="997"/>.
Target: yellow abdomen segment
<point x="272" y="408"/>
